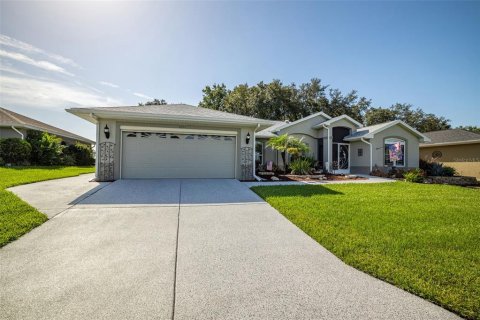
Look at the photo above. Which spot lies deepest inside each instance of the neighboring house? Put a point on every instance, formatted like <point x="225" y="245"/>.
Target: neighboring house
<point x="343" y="145"/>
<point x="14" y="125"/>
<point x="456" y="148"/>
<point x="183" y="141"/>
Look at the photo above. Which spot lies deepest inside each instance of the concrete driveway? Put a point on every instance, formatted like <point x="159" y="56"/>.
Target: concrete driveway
<point x="181" y="249"/>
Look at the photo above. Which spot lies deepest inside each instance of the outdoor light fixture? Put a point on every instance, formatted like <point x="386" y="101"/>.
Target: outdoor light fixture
<point x="247" y="140"/>
<point x="107" y="132"/>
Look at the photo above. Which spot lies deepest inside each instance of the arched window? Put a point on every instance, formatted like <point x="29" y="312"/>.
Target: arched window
<point x="394" y="152"/>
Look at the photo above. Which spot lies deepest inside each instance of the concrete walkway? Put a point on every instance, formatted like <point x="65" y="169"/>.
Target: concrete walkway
<point x="183" y="249"/>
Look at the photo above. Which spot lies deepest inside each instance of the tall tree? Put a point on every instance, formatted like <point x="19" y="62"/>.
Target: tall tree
<point x="416" y="118"/>
<point x="214" y="97"/>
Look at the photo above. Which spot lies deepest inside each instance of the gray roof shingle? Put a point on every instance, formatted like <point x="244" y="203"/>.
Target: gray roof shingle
<point x="172" y="110"/>
<point x="451" y="136"/>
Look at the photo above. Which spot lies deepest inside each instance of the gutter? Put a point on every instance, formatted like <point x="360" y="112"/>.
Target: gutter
<point x="254" y="146"/>
<point x="371" y="152"/>
<point x="16" y="130"/>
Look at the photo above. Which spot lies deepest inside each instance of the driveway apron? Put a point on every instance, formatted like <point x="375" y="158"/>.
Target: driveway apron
<point x="185" y="249"/>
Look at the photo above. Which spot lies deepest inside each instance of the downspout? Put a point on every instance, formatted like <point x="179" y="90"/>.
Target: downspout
<point x="329" y="146"/>
<point x="254" y="146"/>
<point x="21" y="134"/>
<point x="371" y="152"/>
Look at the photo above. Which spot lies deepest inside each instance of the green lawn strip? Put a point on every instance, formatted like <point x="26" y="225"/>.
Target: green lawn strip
<point x="16" y="216"/>
<point x="422" y="238"/>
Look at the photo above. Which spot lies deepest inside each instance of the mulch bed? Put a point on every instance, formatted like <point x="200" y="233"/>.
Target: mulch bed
<point x="329" y="177"/>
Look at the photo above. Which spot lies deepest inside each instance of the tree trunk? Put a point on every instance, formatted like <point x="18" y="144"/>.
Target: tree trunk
<point x="284" y="162"/>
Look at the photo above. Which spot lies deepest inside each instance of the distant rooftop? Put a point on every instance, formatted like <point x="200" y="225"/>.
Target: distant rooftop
<point x="451" y="136"/>
<point x="9" y="118"/>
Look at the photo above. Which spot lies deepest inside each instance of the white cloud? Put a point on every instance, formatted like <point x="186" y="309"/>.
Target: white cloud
<point x="26" y="47"/>
<point x="141" y="95"/>
<point x="49" y="94"/>
<point x="109" y="84"/>
<point x="45" y="65"/>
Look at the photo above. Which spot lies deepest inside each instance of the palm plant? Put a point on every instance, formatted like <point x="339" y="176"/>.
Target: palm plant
<point x="288" y="144"/>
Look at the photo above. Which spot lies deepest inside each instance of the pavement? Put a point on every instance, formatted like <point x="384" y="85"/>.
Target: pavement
<point x="181" y="249"/>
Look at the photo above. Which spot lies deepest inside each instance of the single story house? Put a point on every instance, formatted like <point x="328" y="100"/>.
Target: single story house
<point x="15" y="125"/>
<point x="184" y="141"/>
<point x="343" y="145"/>
<point x="456" y="148"/>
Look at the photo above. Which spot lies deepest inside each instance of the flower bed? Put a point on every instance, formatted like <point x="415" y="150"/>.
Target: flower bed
<point x="310" y="177"/>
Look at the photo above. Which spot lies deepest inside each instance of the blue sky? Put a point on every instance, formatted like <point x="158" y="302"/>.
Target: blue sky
<point x="56" y="55"/>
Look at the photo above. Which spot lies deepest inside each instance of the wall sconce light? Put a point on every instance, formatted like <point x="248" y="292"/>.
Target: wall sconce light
<point x="247" y="140"/>
<point x="106" y="130"/>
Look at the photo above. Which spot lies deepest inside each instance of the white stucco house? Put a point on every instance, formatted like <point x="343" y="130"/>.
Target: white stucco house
<point x="184" y="141"/>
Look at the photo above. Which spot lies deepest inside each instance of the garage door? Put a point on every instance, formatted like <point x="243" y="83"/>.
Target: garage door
<point x="151" y="155"/>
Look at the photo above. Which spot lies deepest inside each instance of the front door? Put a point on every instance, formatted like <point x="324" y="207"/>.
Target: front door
<point x="341" y="157"/>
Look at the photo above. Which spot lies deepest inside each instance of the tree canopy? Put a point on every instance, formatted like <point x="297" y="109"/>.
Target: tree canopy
<point x="278" y="101"/>
<point x="474" y="129"/>
<point x="154" y="102"/>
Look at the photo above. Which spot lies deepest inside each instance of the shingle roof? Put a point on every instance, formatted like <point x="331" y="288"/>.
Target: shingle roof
<point x="269" y="132"/>
<point x="451" y="136"/>
<point x="178" y="110"/>
<point x="10" y="118"/>
<point x="370" y="131"/>
<point x="361" y="132"/>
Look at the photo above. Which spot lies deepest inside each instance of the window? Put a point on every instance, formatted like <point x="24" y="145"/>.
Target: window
<point x="360" y="152"/>
<point x="394" y="152"/>
<point x="131" y="134"/>
<point x="259" y="152"/>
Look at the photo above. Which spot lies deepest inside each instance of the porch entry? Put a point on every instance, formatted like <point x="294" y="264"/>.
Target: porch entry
<point x="341" y="157"/>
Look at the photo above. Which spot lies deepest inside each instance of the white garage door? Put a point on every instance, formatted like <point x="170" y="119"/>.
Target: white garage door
<point x="151" y="155"/>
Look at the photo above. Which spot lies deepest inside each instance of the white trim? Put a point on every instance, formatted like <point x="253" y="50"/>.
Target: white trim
<point x="178" y="130"/>
<point x="387" y="125"/>
<point x="329" y="148"/>
<point x="343" y="171"/>
<point x="21" y="134"/>
<point x="371" y="152"/>
<point x="426" y="145"/>
<point x="333" y="120"/>
<point x="402" y="142"/>
<point x="286" y="125"/>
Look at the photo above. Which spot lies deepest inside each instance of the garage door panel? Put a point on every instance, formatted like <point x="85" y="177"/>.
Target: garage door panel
<point x="161" y="156"/>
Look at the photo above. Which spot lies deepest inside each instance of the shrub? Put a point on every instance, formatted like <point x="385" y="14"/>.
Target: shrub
<point x="449" y="171"/>
<point x="15" y="150"/>
<point x="301" y="166"/>
<point x="82" y="154"/>
<point x="437" y="169"/>
<point x="379" y="173"/>
<point x="415" y="175"/>
<point x="46" y="148"/>
<point x="396" y="173"/>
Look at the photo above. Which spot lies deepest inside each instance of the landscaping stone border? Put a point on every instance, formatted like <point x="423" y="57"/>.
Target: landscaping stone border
<point x="455" y="180"/>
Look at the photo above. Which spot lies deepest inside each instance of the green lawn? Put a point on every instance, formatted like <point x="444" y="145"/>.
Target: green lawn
<point x="16" y="216"/>
<point x="422" y="238"/>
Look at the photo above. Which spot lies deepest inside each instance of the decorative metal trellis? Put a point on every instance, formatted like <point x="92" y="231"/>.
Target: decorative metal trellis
<point x="106" y="161"/>
<point x="246" y="161"/>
